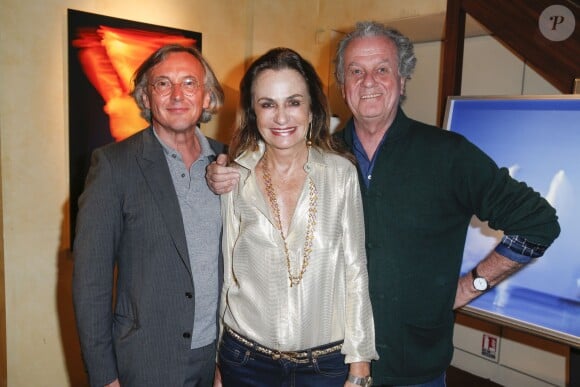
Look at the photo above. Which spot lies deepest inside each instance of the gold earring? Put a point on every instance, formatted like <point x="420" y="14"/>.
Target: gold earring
<point x="309" y="134"/>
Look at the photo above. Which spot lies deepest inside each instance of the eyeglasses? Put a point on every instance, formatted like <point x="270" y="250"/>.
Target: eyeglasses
<point x="164" y="86"/>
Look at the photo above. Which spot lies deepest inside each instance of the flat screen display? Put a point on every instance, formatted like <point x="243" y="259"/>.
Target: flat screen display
<point x="538" y="139"/>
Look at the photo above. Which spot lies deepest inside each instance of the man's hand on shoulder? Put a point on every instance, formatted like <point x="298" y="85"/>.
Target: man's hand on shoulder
<point x="220" y="178"/>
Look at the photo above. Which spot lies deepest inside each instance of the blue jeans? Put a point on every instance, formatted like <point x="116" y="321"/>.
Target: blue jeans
<point x="437" y="382"/>
<point x="242" y="365"/>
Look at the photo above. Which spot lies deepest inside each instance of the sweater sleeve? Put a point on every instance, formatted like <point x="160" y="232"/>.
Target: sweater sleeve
<point x="507" y="204"/>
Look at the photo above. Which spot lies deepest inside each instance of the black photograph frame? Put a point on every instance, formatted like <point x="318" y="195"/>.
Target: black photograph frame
<point x="101" y="52"/>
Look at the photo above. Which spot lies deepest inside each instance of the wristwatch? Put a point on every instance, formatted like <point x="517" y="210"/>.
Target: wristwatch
<point x="479" y="283"/>
<point x="366" y="381"/>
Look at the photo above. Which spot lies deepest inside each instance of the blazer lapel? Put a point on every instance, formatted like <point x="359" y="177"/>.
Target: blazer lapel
<point x="156" y="172"/>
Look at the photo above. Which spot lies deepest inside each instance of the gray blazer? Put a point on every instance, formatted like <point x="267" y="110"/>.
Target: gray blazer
<point x="129" y="216"/>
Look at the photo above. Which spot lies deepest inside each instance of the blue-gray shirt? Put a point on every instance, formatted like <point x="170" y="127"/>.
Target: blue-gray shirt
<point x="200" y="210"/>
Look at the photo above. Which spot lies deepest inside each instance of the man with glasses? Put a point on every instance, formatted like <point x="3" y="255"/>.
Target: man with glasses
<point x="148" y="236"/>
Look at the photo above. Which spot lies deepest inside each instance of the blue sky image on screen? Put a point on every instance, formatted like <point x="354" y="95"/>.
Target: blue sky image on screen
<point x="538" y="140"/>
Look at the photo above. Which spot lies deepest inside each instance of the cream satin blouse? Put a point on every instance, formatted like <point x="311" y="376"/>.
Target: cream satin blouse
<point x="331" y="303"/>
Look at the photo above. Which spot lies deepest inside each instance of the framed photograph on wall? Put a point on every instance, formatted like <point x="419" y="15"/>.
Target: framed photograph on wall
<point x="537" y="139"/>
<point x="103" y="54"/>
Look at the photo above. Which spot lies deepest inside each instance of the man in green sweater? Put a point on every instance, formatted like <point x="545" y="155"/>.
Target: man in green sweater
<point x="421" y="186"/>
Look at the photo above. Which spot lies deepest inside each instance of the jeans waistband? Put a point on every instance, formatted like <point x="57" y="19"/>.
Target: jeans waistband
<point x="301" y="356"/>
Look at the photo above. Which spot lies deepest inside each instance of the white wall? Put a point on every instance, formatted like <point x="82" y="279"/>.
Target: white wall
<point x="518" y="360"/>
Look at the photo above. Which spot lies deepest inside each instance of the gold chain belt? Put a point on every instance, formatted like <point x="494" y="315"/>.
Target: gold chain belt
<point x="294" y="356"/>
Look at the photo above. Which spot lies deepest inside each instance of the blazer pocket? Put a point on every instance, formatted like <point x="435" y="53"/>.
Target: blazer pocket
<point x="124" y="327"/>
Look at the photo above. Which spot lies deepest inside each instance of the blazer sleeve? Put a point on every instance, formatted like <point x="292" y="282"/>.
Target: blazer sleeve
<point x="98" y="228"/>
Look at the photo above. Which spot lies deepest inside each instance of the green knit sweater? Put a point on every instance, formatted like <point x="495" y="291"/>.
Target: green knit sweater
<point x="426" y="185"/>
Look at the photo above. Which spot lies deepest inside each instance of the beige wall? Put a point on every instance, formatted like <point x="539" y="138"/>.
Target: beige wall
<point x="42" y="349"/>
<point x="41" y="342"/>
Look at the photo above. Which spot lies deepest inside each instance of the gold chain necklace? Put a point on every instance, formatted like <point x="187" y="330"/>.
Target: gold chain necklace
<point x="313" y="199"/>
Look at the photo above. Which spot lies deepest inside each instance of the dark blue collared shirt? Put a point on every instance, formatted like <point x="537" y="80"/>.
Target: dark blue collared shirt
<point x="365" y="165"/>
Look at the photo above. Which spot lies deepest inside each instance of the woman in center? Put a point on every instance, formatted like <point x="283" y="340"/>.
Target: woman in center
<point x="295" y="306"/>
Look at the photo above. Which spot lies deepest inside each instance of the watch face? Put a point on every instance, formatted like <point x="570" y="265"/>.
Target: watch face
<point x="480" y="283"/>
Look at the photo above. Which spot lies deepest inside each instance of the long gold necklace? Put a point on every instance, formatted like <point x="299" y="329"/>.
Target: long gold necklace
<point x="295" y="279"/>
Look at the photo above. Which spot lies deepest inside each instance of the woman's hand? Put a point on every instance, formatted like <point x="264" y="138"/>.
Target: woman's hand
<point x="362" y="369"/>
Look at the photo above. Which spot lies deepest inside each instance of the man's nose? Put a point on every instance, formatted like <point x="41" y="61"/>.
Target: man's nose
<point x="369" y="78"/>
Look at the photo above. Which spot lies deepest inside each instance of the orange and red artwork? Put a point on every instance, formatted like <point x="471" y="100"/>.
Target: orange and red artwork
<point x="109" y="57"/>
<point x="103" y="54"/>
